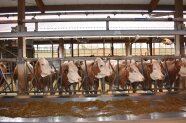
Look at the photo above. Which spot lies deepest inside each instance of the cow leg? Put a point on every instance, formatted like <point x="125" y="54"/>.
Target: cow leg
<point x="134" y="86"/>
<point x="176" y="84"/>
<point x="160" y="85"/>
<point x="59" y="86"/>
<point x="96" y="86"/>
<point x="71" y="88"/>
<point x="51" y="86"/>
<point x="74" y="87"/>
<point x="35" y="91"/>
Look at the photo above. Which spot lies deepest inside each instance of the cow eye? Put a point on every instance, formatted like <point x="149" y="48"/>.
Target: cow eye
<point x="101" y="65"/>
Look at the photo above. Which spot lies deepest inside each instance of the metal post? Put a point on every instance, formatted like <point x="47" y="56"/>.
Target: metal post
<point x="36" y="27"/>
<point x="107" y="23"/>
<point x="150" y="46"/>
<point x="179" y="26"/>
<point x="112" y="48"/>
<point x="72" y="48"/>
<point x="61" y="48"/>
<point x="52" y="49"/>
<point x="103" y="48"/>
<point x="78" y="49"/>
<point x="22" y="83"/>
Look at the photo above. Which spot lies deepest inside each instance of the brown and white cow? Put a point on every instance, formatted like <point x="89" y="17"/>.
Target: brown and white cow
<point x="45" y="76"/>
<point x="182" y="71"/>
<point x="173" y="69"/>
<point x="3" y="70"/>
<point x="29" y="72"/>
<point x="91" y="72"/>
<point x="127" y="72"/>
<point x="70" y="77"/>
<point x="152" y="72"/>
<point x="182" y="74"/>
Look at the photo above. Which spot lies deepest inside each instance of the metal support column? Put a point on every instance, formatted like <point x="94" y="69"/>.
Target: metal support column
<point x="104" y="48"/>
<point x="112" y="48"/>
<point x="61" y="48"/>
<point x="128" y="49"/>
<point x="178" y="25"/>
<point x="72" y="48"/>
<point x="150" y="46"/>
<point x="52" y="49"/>
<point x="107" y="23"/>
<point x="22" y="81"/>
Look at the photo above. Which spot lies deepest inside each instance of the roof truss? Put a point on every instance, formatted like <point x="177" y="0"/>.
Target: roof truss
<point x="40" y="5"/>
<point x="84" y="7"/>
<point x="153" y="4"/>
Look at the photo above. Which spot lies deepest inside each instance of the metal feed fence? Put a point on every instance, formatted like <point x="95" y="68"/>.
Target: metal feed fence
<point x="10" y="86"/>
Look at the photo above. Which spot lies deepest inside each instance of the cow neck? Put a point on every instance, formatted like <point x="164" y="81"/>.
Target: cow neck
<point x="93" y="73"/>
<point x="168" y="72"/>
<point x="86" y="73"/>
<point x="177" y="66"/>
<point x="127" y="72"/>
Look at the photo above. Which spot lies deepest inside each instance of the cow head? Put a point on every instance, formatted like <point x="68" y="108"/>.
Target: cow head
<point x="134" y="73"/>
<point x="103" y="70"/>
<point x="167" y="41"/>
<point x="72" y="74"/>
<point x="44" y="67"/>
<point x="156" y="71"/>
<point x="182" y="71"/>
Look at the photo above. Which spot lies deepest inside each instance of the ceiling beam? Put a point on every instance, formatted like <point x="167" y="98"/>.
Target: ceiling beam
<point x="85" y="7"/>
<point x="93" y="33"/>
<point x="40" y="5"/>
<point x="89" y="41"/>
<point x="153" y="4"/>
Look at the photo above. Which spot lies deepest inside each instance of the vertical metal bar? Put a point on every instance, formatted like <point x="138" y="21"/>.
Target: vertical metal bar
<point x="52" y="49"/>
<point x="107" y="23"/>
<point x="117" y="75"/>
<point x="61" y="80"/>
<point x="103" y="85"/>
<point x="72" y="48"/>
<point x="170" y="86"/>
<point x="36" y="27"/>
<point x="112" y="48"/>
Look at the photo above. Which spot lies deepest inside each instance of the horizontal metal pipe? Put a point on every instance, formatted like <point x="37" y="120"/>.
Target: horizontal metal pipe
<point x="102" y="19"/>
<point x="92" y="33"/>
<point x="90" y="13"/>
<point x="91" y="20"/>
<point x="158" y="57"/>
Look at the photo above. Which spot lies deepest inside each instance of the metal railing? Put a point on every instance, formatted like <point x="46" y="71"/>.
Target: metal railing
<point x="9" y="85"/>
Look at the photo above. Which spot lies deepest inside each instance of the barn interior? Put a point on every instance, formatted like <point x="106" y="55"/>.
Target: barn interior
<point x="64" y="30"/>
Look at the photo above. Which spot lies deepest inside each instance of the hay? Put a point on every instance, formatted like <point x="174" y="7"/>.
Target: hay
<point x="90" y="108"/>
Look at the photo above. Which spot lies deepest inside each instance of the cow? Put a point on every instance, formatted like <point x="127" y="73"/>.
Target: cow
<point x="182" y="74"/>
<point x="3" y="70"/>
<point x="172" y="70"/>
<point x="70" y="77"/>
<point x="152" y="72"/>
<point x="45" y="76"/>
<point x="123" y="74"/>
<point x="29" y="73"/>
<point x="182" y="71"/>
<point x="91" y="72"/>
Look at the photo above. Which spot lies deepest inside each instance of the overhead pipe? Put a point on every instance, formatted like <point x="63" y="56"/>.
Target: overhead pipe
<point x="91" y="19"/>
